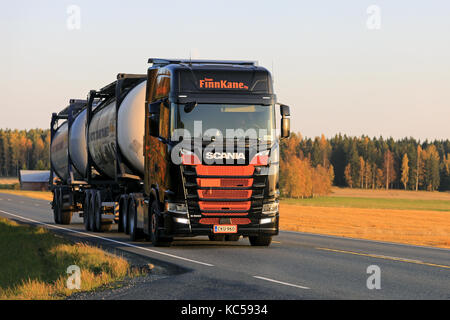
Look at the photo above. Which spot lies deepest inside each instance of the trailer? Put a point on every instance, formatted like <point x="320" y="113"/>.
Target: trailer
<point x="153" y="154"/>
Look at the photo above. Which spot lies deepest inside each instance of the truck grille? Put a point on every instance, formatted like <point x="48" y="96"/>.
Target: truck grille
<point x="223" y="191"/>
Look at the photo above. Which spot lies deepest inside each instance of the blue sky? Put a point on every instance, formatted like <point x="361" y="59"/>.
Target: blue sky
<point x="335" y="73"/>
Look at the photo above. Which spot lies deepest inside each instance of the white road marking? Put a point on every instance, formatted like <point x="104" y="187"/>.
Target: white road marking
<point x="280" y="282"/>
<point x="363" y="240"/>
<point x="396" y="258"/>
<point x="107" y="239"/>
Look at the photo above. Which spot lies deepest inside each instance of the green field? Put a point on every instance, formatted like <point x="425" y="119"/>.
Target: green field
<point x="34" y="261"/>
<point x="373" y="203"/>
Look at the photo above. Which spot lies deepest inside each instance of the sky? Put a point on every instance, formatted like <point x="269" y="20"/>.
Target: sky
<point x="352" y="67"/>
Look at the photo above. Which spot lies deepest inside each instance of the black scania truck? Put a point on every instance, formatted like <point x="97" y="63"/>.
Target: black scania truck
<point x="210" y="155"/>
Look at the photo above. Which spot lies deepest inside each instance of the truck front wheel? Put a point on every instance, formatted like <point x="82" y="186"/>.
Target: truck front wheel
<point x="155" y="224"/>
<point x="260" y="241"/>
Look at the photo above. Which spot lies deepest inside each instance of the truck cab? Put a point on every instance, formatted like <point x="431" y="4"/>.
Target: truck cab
<point x="211" y="150"/>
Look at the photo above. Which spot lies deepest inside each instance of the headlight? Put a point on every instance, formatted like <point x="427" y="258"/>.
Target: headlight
<point x="182" y="220"/>
<point x="266" y="220"/>
<point x="270" y="208"/>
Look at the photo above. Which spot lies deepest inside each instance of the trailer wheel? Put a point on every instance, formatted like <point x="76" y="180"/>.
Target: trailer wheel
<point x="87" y="204"/>
<point x="91" y="211"/>
<point x="66" y="216"/>
<point x="123" y="215"/>
<point x="135" y="233"/>
<point x="98" y="210"/>
<point x="155" y="224"/>
<point x="56" y="206"/>
<point x="260" y="241"/>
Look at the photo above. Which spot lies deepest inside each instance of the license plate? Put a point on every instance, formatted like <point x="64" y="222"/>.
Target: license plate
<point x="225" y="228"/>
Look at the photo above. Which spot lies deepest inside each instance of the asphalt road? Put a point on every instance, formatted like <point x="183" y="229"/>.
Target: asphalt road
<point x="295" y="266"/>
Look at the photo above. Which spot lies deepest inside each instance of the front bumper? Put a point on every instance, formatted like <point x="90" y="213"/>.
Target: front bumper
<point x="193" y="228"/>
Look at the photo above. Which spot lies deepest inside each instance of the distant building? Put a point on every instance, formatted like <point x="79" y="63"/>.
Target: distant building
<point x="36" y="180"/>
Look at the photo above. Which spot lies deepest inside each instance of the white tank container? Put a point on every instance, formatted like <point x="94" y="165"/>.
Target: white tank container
<point x="77" y="143"/>
<point x="130" y="131"/>
<point x="59" y="153"/>
<point x="102" y="138"/>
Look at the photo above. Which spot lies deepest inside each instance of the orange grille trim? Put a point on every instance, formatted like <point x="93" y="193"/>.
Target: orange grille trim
<point x="225" y="170"/>
<point x="225" y="194"/>
<point x="225" y="206"/>
<point x="224" y="182"/>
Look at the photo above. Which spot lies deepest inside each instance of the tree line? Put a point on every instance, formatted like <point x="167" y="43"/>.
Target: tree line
<point x="23" y="149"/>
<point x="308" y="167"/>
<point x="369" y="163"/>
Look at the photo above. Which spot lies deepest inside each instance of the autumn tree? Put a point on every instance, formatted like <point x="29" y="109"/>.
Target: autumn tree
<point x="348" y="175"/>
<point x="431" y="168"/>
<point x="405" y="170"/>
<point x="388" y="168"/>
<point x="362" y="168"/>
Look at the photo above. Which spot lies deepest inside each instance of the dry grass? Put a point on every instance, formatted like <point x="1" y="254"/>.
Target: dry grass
<point x="390" y="194"/>
<point x="41" y="195"/>
<point x="12" y="180"/>
<point x="34" y="264"/>
<point x="430" y="228"/>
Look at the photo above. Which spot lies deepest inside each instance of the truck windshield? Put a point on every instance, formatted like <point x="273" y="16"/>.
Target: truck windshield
<point x="224" y="121"/>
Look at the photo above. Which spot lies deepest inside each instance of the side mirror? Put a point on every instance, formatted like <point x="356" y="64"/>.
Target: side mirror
<point x="285" y="121"/>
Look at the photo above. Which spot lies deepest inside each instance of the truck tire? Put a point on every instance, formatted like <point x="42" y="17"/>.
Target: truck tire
<point x="260" y="241"/>
<point x="56" y="207"/>
<point x="65" y="216"/>
<point x="87" y="204"/>
<point x="123" y="215"/>
<point x="98" y="210"/>
<point x="91" y="211"/>
<point x="155" y="224"/>
<point x="135" y="233"/>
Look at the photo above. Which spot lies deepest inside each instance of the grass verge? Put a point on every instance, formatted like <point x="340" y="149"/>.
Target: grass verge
<point x="373" y="203"/>
<point x="41" y="195"/>
<point x="417" y="227"/>
<point x="34" y="262"/>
